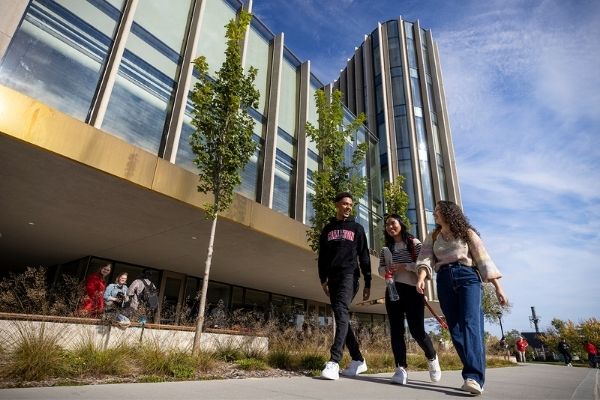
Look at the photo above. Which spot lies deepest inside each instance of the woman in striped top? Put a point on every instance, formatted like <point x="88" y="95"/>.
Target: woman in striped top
<point x="455" y="251"/>
<point x="400" y="260"/>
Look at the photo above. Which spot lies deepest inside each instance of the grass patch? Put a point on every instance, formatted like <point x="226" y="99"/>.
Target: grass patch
<point x="312" y="362"/>
<point x="37" y="355"/>
<point x="281" y="359"/>
<point x="93" y="360"/>
<point x="252" y="364"/>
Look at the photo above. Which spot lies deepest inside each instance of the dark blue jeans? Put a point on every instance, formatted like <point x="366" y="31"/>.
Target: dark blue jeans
<point x="342" y="290"/>
<point x="459" y="291"/>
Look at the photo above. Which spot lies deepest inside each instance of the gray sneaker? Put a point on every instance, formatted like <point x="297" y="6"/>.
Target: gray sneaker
<point x="400" y="376"/>
<point x="356" y="367"/>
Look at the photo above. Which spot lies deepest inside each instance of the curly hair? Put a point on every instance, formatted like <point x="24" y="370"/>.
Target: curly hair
<point x="404" y="234"/>
<point x="457" y="221"/>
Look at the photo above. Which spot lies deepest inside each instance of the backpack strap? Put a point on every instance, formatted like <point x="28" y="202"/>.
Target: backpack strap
<point x="413" y="250"/>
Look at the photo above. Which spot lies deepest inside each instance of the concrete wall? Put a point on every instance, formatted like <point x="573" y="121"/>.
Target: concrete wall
<point x="72" y="335"/>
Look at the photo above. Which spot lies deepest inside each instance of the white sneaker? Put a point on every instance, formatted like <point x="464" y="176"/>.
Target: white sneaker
<point x="435" y="372"/>
<point x="400" y="376"/>
<point x="472" y="386"/>
<point x="331" y="371"/>
<point x="356" y="367"/>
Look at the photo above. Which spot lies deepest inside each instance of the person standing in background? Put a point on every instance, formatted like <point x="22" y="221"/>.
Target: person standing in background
<point x="95" y="285"/>
<point x="522" y="345"/>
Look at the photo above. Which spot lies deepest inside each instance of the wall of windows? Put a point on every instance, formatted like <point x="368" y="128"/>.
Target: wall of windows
<point x="64" y="50"/>
<point x="59" y="52"/>
<point x="312" y="156"/>
<point x="287" y="144"/>
<point x="141" y="99"/>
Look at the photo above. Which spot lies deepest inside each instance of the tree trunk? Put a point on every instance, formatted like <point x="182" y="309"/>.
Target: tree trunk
<point x="200" y="320"/>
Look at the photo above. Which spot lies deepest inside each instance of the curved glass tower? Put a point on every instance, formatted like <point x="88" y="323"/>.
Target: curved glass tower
<point x="395" y="78"/>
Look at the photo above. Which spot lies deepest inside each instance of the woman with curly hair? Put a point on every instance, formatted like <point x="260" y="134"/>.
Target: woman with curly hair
<point x="455" y="251"/>
<point x="398" y="257"/>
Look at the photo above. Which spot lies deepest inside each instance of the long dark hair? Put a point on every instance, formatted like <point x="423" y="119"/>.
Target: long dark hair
<point x="405" y="235"/>
<point x="457" y="221"/>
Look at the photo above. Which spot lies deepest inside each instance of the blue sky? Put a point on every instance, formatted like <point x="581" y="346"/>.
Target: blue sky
<point x="523" y="94"/>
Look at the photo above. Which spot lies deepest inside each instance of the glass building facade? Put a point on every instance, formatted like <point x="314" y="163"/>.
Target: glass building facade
<point x="116" y="66"/>
<point x="395" y="79"/>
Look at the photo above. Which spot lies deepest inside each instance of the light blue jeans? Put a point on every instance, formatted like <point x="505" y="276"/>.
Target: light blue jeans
<point x="459" y="291"/>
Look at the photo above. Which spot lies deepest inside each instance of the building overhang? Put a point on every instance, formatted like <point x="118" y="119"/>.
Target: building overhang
<point x="68" y="190"/>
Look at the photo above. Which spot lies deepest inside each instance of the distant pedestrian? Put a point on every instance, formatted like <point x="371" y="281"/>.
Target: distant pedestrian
<point x="342" y="248"/>
<point x="456" y="252"/>
<point x="521" y="345"/>
<point x="592" y="353"/>
<point x="565" y="350"/>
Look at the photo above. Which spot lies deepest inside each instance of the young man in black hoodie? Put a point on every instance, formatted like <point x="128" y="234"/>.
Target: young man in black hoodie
<point x="342" y="246"/>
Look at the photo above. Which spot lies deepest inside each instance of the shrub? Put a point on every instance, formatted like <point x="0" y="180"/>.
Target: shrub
<point x="252" y="364"/>
<point x="94" y="360"/>
<point x="281" y="359"/>
<point x="312" y="361"/>
<point x="36" y="354"/>
<point x="29" y="293"/>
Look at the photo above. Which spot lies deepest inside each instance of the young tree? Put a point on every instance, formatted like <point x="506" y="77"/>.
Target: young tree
<point x="336" y="174"/>
<point x="396" y="199"/>
<point x="222" y="142"/>
<point x="492" y="310"/>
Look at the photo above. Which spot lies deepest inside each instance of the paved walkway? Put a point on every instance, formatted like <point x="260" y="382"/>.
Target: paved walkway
<point x="528" y="381"/>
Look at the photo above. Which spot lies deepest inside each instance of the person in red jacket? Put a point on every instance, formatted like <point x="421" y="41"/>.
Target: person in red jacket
<point x="521" y="344"/>
<point x="95" y="285"/>
<point x="592" y="353"/>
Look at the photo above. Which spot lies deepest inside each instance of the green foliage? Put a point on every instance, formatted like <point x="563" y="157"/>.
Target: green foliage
<point x="222" y="142"/>
<point x="336" y="174"/>
<point x="171" y="363"/>
<point x="252" y="364"/>
<point x="574" y="334"/>
<point x="312" y="361"/>
<point x="491" y="308"/>
<point x="281" y="358"/>
<point x="396" y="199"/>
<point x="37" y="354"/>
<point x="94" y="360"/>
<point x="228" y="352"/>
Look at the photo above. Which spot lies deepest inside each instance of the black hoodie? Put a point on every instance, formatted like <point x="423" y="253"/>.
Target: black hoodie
<point x="341" y="246"/>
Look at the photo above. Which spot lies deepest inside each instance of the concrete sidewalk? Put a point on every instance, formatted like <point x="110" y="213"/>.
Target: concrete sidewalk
<point x="528" y="381"/>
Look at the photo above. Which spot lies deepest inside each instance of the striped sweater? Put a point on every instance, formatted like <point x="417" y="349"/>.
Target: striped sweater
<point x="400" y="254"/>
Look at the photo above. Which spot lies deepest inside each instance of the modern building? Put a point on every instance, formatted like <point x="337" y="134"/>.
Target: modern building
<point x="95" y="162"/>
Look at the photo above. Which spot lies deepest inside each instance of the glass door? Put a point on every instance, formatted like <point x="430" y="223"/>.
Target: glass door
<point x="171" y="295"/>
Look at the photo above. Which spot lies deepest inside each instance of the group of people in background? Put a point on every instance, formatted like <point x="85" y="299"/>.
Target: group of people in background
<point x="563" y="348"/>
<point x="453" y="250"/>
<point x="116" y="301"/>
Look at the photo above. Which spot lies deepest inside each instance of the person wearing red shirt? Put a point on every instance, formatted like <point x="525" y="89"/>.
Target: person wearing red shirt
<point x="592" y="354"/>
<point x="521" y="344"/>
<point x="95" y="285"/>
